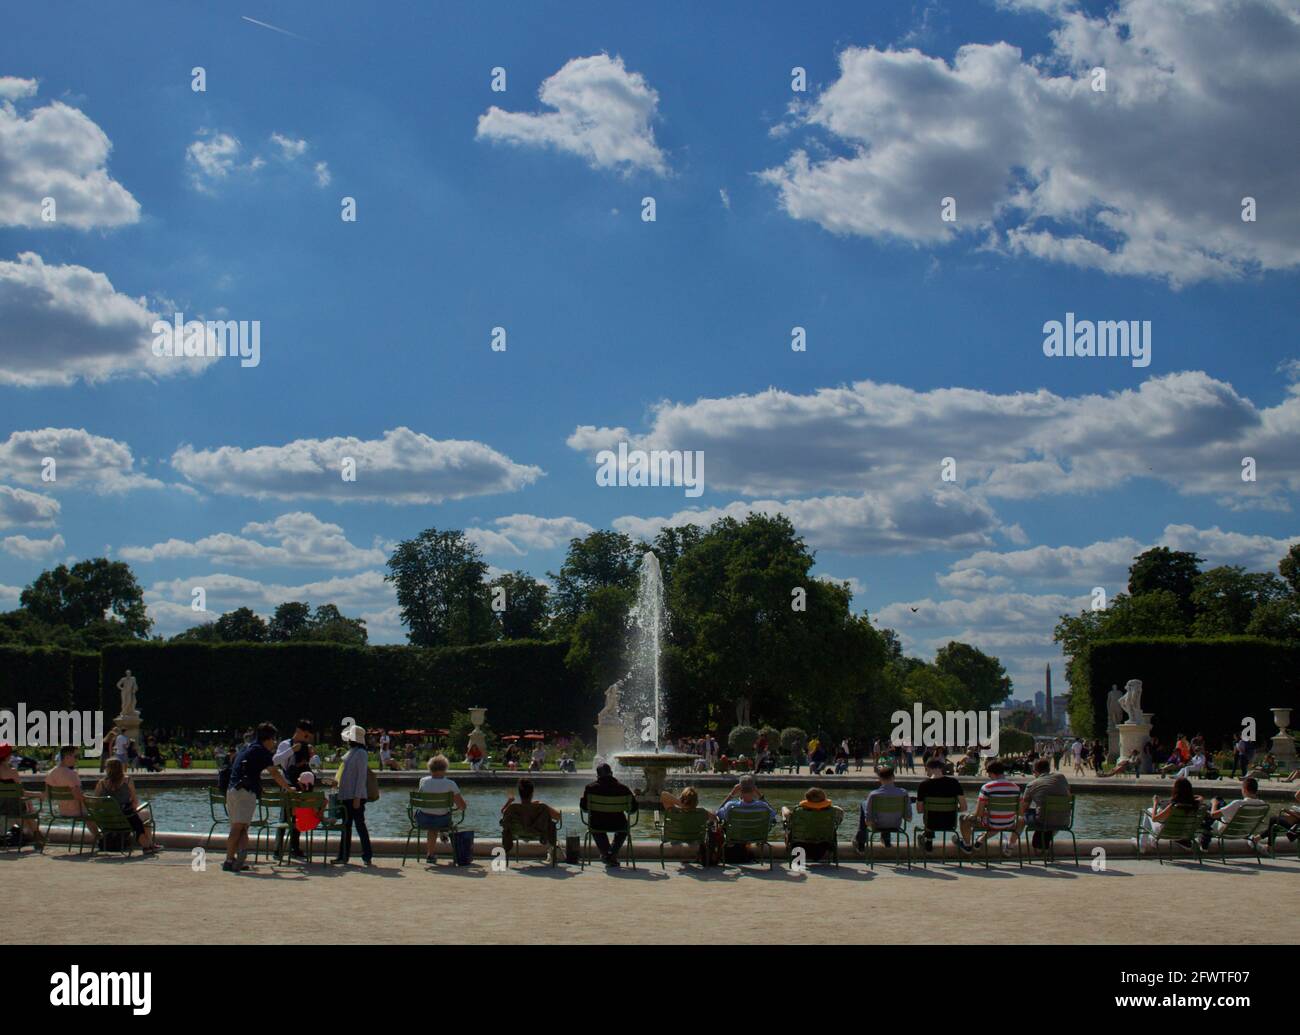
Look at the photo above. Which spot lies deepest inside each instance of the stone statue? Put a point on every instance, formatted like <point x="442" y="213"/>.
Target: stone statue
<point x="1131" y="702"/>
<point x="1114" y="710"/>
<point x="742" y="710"/>
<point x="610" y="712"/>
<point x="127" y="687"/>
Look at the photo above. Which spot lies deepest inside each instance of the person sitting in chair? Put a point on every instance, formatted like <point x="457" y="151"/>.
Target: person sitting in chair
<point x="117" y="785"/>
<point x="870" y="813"/>
<point x="602" y="824"/>
<point x="529" y="817"/>
<point x="815" y="800"/>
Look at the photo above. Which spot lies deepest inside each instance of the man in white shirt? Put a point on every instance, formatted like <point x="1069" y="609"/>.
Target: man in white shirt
<point x="304" y="732"/>
<point x="1221" y="813"/>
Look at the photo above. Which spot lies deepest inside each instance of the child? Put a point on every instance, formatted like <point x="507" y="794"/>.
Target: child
<point x="306" y="817"/>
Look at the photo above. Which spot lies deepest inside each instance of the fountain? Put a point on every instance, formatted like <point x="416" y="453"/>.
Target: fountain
<point x="643" y="689"/>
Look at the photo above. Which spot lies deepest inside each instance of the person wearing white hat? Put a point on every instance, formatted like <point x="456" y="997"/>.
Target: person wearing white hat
<point x="352" y="794"/>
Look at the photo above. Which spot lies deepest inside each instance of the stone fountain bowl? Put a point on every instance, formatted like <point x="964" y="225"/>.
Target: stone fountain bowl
<point x="655" y="765"/>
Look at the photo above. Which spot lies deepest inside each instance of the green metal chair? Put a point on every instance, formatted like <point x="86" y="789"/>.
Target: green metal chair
<point x="270" y="821"/>
<point x="1185" y="823"/>
<point x="108" y="816"/>
<point x="1274" y="829"/>
<point x="935" y="809"/>
<point x="1244" y="826"/>
<point x="419" y="802"/>
<point x="610" y="803"/>
<point x="1055" y="817"/>
<point x="815" y="827"/>
<point x="1000" y="803"/>
<point x="217" y="810"/>
<point x="15" y="807"/>
<point x="748" y="826"/>
<point x="311" y="800"/>
<point x="684" y="827"/>
<point x="53" y="797"/>
<point x="518" y="834"/>
<point x="887" y="813"/>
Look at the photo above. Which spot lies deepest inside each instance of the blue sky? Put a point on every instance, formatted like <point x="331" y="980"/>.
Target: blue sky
<point x="774" y="209"/>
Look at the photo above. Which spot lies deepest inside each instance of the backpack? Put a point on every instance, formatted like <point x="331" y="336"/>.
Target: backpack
<point x="372" y="785"/>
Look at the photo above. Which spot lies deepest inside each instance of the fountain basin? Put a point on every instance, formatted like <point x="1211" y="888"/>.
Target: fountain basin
<point x="655" y="765"/>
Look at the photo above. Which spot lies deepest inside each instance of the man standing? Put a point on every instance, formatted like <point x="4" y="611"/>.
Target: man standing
<point x="602" y="824"/>
<point x="293" y="757"/>
<point x="245" y="789"/>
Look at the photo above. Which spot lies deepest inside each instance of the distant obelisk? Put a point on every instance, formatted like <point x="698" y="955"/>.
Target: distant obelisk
<point x="1047" y="704"/>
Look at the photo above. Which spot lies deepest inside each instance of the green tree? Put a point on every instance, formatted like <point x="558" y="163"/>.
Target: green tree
<point x="596" y="561"/>
<point x="526" y="606"/>
<point x="984" y="677"/>
<point x="1161" y="568"/>
<point x="440" y="592"/>
<point x="291" y="621"/>
<point x="205" y="633"/>
<point x="85" y="594"/>
<point x="243" y="625"/>
<point x="328" y="624"/>
<point x="598" y="642"/>
<point x="1226" y="597"/>
<point x="1289" y="567"/>
<point x="1276" y="620"/>
<point x="933" y="688"/>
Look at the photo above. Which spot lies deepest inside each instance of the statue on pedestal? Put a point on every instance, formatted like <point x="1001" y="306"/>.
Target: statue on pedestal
<point x="609" y="714"/>
<point x="1114" y="708"/>
<point x="742" y="710"/>
<point x="128" y="687"/>
<point x="610" y="734"/>
<point x="1131" y="701"/>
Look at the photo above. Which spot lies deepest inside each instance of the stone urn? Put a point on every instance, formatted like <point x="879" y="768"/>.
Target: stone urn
<point x="1283" y="746"/>
<point x="476" y="716"/>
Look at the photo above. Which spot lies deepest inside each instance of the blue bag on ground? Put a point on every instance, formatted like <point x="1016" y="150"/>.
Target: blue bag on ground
<point x="462" y="847"/>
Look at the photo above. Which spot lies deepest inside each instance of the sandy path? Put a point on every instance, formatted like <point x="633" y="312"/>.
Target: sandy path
<point x="68" y="899"/>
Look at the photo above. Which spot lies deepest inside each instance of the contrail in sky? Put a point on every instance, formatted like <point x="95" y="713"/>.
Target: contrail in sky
<point x="273" y="28"/>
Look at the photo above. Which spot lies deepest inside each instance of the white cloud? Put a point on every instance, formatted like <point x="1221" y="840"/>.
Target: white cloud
<point x="290" y="148"/>
<point x="82" y="460"/>
<point x="1187" y="430"/>
<point x="14" y="89"/>
<point x="401" y="467"/>
<point x="1145" y="178"/>
<point x="20" y="507"/>
<point x="322" y="171"/>
<point x="56" y="151"/>
<point x="360" y="595"/>
<point x="215" y="157"/>
<point x="59" y="324"/>
<point x="9" y="596"/>
<point x="32" y="549"/>
<point x="517" y="534"/>
<point x="856" y="586"/>
<point x="298" y="540"/>
<point x="902" y="522"/>
<point x="603" y="113"/>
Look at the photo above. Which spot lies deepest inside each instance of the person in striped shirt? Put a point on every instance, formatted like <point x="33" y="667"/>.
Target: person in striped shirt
<point x="992" y="819"/>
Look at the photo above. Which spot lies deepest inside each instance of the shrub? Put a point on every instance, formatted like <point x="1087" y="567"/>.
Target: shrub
<point x="1014" y="742"/>
<point x="741" y="739"/>
<point x="793" y="740"/>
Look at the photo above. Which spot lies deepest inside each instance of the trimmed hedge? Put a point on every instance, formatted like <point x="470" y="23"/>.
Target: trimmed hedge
<point x="185" y="687"/>
<point x="1194" y="686"/>
<point x="48" y="678"/>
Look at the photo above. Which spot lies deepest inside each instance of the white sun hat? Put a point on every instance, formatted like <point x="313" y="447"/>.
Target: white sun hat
<point x="355" y="734"/>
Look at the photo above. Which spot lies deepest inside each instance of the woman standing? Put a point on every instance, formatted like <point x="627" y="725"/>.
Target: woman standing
<point x="353" y="780"/>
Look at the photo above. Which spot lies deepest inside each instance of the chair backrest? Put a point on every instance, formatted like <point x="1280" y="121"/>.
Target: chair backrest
<point x="936" y="808"/>
<point x="814" y="826"/>
<point x="274" y="800"/>
<point x="217" y="799"/>
<point x="1001" y="804"/>
<point x="1246" y="820"/>
<point x="685" y="824"/>
<point x="610" y="803"/>
<point x="106" y="814"/>
<point x="11" y="798"/>
<point x="307" y="799"/>
<point x="423" y="801"/>
<point x="887" y="811"/>
<point x="1183" y="822"/>
<point x="1057" y="812"/>
<point x="741" y="825"/>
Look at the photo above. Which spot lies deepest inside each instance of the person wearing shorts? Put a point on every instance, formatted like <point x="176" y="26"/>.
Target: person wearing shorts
<point x="433" y="820"/>
<point x="245" y="789"/>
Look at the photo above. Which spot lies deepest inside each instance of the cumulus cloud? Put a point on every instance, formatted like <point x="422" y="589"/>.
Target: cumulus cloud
<point x="55" y="151"/>
<point x="364" y="594"/>
<point x="59" y="324"/>
<point x="401" y="467"/>
<point x="32" y="549"/>
<point x="214" y="156"/>
<point x="82" y="460"/>
<point x="903" y="522"/>
<point x="20" y="507"/>
<point x="1188" y="430"/>
<point x="517" y="534"/>
<point x="1145" y="178"/>
<point x="9" y="596"/>
<point x="297" y="540"/>
<point x="602" y="112"/>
